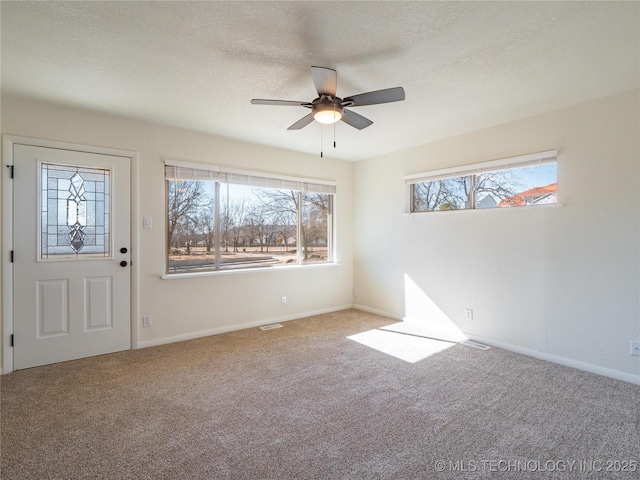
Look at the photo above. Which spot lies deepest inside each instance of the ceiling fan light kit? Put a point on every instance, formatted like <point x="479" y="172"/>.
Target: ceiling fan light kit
<point x="327" y="111"/>
<point x="328" y="108"/>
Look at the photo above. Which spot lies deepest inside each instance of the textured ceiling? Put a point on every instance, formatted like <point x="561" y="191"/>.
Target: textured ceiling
<point x="196" y="65"/>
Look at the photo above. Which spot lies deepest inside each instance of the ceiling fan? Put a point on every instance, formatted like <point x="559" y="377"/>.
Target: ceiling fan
<point x="328" y="108"/>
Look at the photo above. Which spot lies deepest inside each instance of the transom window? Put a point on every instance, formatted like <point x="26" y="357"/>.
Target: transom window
<point x="228" y="220"/>
<point x="513" y="182"/>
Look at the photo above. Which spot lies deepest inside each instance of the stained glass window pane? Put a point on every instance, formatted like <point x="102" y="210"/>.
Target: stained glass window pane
<point x="74" y="212"/>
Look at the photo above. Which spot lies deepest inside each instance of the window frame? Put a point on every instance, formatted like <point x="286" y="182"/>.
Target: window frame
<point x="472" y="171"/>
<point x="221" y="176"/>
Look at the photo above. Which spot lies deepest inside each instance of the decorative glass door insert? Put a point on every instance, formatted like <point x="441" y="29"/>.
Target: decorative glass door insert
<point x="74" y="212"/>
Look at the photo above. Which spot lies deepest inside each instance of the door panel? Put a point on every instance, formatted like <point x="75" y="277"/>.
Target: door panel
<point x="71" y="218"/>
<point x="98" y="295"/>
<point x="52" y="307"/>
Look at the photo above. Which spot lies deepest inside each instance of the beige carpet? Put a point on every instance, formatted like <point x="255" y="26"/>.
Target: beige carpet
<point x="306" y="402"/>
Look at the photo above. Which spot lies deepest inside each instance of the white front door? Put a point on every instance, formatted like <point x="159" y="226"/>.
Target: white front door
<point x="71" y="242"/>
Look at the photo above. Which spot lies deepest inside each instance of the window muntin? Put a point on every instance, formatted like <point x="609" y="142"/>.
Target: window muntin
<point x="252" y="224"/>
<point x="487" y="185"/>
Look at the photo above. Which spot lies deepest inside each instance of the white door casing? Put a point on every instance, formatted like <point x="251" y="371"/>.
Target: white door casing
<point x="69" y="301"/>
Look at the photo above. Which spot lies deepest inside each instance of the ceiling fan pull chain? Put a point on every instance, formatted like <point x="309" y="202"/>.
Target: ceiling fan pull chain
<point x="321" y="143"/>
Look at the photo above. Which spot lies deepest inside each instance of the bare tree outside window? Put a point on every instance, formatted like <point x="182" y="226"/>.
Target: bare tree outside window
<point x="206" y="224"/>
<point x="441" y="194"/>
<point x="236" y="213"/>
<point x="315" y="217"/>
<point x="185" y="198"/>
<point x="281" y="206"/>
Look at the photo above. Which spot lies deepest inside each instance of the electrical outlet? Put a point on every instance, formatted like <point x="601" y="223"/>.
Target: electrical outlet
<point x="468" y="314"/>
<point x="283" y="301"/>
<point x="635" y="347"/>
<point x="147" y="222"/>
<point x="146" y="320"/>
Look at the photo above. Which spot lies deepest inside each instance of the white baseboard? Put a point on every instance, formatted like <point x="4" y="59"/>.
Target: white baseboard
<point x="567" y="362"/>
<point x="233" y="328"/>
<point x="382" y="313"/>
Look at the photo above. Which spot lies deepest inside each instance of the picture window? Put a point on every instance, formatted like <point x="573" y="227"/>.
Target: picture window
<point x="221" y="220"/>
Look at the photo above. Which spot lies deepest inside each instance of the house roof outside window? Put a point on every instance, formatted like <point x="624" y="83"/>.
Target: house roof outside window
<point x="533" y="196"/>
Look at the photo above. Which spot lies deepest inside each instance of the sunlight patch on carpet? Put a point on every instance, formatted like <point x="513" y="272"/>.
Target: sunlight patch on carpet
<point x="409" y="348"/>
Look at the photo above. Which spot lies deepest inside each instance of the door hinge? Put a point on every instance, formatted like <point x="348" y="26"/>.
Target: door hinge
<point x="10" y="167"/>
<point x="11" y="340"/>
<point x="11" y="256"/>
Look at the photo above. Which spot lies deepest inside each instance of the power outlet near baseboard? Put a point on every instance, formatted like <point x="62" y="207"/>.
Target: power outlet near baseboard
<point x="146" y="320"/>
<point x="635" y="347"/>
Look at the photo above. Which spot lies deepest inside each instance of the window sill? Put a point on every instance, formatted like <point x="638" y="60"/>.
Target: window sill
<point x="503" y="209"/>
<point x="173" y="276"/>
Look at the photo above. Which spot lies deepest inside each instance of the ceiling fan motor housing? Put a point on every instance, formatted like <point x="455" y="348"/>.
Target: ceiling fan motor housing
<point x="327" y="109"/>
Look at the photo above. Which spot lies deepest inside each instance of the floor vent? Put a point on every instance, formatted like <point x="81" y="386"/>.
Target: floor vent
<point x="271" y="327"/>
<point x="471" y="343"/>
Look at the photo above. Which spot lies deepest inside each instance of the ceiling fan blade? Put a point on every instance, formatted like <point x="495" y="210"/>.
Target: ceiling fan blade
<point x="325" y="80"/>
<point x="303" y="122"/>
<point x="261" y="101"/>
<point x="374" y="98"/>
<point x="355" y="120"/>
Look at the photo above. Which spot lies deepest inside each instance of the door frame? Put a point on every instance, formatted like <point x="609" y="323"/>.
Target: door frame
<point x="8" y="142"/>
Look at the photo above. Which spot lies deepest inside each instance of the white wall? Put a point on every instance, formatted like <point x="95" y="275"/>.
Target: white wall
<point x="557" y="282"/>
<point x="562" y="283"/>
<point x="186" y="307"/>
